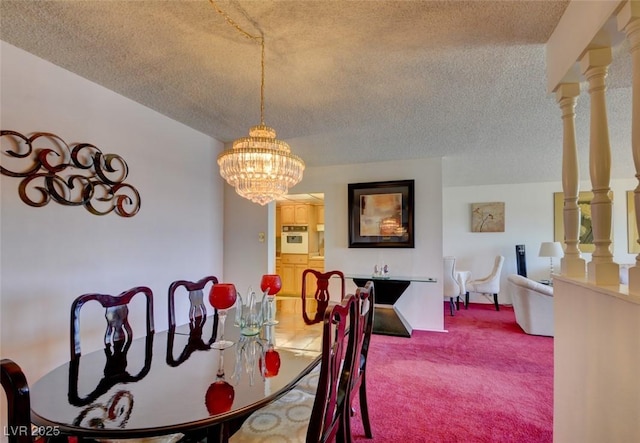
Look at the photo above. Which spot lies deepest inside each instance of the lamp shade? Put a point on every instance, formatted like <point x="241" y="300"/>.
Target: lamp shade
<point x="550" y="249"/>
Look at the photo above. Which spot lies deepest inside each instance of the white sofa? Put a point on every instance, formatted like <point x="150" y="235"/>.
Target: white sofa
<point x="532" y="305"/>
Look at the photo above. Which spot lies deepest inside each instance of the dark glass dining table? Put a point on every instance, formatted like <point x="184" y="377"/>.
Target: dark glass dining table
<point x="173" y="382"/>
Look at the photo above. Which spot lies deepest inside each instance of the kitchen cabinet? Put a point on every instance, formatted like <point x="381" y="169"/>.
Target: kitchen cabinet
<point x="294" y="214"/>
<point x="278" y="222"/>
<point x="287" y="215"/>
<point x="301" y="214"/>
<point x="288" y="280"/>
<point x="316" y="264"/>
<point x="320" y="215"/>
<point x="293" y="265"/>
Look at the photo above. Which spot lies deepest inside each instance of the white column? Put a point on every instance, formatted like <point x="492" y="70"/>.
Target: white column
<point x="601" y="270"/>
<point x="629" y="21"/>
<point x="572" y="264"/>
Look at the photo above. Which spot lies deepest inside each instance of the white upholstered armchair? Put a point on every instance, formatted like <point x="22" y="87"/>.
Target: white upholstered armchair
<point x="451" y="286"/>
<point x="487" y="285"/>
<point x="532" y="305"/>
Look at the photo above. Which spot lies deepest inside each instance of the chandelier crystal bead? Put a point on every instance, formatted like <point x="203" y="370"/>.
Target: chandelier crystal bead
<point x="260" y="167"/>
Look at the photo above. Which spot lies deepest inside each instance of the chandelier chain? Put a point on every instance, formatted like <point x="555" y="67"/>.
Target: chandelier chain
<point x="255" y="38"/>
<point x="234" y="24"/>
<point x="260" y="167"/>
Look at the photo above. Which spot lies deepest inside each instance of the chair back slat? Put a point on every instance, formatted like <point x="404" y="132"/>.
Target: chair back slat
<point x="366" y="298"/>
<point x="119" y="331"/>
<point x="16" y="389"/>
<point x="321" y="294"/>
<point x="197" y="307"/>
<point x="197" y="319"/>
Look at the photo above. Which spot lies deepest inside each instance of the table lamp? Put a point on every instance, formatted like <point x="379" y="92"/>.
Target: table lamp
<point x="550" y="249"/>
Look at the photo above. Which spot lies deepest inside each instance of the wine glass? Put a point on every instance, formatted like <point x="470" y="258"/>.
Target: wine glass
<point x="222" y="296"/>
<point x="270" y="285"/>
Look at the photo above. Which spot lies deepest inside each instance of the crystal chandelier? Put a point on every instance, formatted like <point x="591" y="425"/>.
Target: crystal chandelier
<point x="260" y="167"/>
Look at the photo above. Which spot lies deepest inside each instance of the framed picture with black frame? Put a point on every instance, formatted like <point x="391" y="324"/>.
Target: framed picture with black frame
<point x="381" y="214"/>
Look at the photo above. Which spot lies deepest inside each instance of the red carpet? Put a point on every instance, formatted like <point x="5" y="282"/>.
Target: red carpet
<point x="483" y="381"/>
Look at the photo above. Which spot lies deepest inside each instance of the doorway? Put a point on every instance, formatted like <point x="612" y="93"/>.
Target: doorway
<point x="298" y="213"/>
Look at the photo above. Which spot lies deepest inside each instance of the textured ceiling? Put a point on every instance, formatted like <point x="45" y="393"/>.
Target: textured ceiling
<point x="346" y="81"/>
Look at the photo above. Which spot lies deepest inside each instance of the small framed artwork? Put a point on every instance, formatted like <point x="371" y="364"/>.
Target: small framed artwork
<point x="381" y="214"/>
<point x="632" y="227"/>
<point x="487" y="217"/>
<point x="585" y="234"/>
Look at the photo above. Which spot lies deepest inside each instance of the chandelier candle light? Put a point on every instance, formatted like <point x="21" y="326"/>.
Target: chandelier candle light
<point x="260" y="167"/>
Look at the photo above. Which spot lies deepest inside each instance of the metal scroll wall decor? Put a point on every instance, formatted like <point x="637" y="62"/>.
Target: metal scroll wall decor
<point x="80" y="175"/>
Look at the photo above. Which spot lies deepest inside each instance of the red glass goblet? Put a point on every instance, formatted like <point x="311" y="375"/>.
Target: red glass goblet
<point x="219" y="397"/>
<point x="270" y="285"/>
<point x="220" y="394"/>
<point x="222" y="296"/>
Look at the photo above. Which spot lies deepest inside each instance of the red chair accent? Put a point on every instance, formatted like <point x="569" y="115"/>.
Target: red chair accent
<point x="321" y="295"/>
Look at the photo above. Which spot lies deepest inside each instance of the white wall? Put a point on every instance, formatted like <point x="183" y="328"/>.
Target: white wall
<point x="529" y="220"/>
<point x="245" y="257"/>
<point x="50" y="255"/>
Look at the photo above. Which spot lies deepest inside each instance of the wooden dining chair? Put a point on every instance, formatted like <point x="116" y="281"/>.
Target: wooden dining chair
<point x="117" y="341"/>
<point x="365" y="301"/>
<point x="19" y="428"/>
<point x="321" y="294"/>
<point x="118" y="335"/>
<point x="195" y="291"/>
<point x="197" y="318"/>
<point x="300" y="415"/>
<point x="16" y="388"/>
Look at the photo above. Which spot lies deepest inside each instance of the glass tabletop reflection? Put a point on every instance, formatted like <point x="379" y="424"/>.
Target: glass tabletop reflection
<point x="173" y="381"/>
